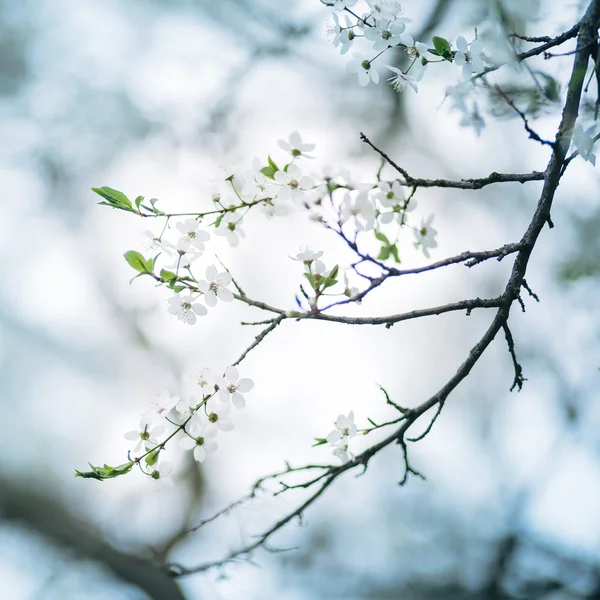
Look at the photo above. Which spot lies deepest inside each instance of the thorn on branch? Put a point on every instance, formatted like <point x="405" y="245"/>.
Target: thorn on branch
<point x="519" y="379"/>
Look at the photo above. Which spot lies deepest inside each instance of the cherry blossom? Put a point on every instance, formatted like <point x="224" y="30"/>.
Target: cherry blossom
<point x="425" y="236"/>
<point x="201" y="444"/>
<point x="196" y="237"/>
<point x="295" y="146"/>
<point x="204" y="379"/>
<point x="345" y="429"/>
<point x="162" y="475"/>
<point x="144" y="436"/>
<point x="185" y="307"/>
<point x="386" y="9"/>
<point x="384" y="34"/>
<point x="584" y="142"/>
<point x="359" y="208"/>
<point x="159" y="407"/>
<point x="391" y="195"/>
<point x="342" y="4"/>
<point x="231" y="386"/>
<point x="343" y="35"/>
<point x="400" y="80"/>
<point x="365" y="69"/>
<point x="293" y="184"/>
<point x="215" y="286"/>
<point x="217" y="413"/>
<point x="469" y="57"/>
<point x="230" y="228"/>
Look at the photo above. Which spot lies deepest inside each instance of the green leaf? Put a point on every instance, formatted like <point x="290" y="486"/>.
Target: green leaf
<point x="138" y="262"/>
<point x="268" y="172"/>
<point x="442" y="47"/>
<point x="218" y="220"/>
<point x="167" y="275"/>
<point x="152" y="458"/>
<point x="394" y="251"/>
<point x="138" y="201"/>
<point x="105" y="472"/>
<point x="320" y="442"/>
<point x="311" y="279"/>
<point x="272" y="164"/>
<point x="382" y="237"/>
<point x="384" y="253"/>
<point x="114" y="198"/>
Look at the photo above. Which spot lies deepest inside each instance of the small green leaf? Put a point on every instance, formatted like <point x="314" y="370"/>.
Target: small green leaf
<point x="381" y="237"/>
<point x="272" y="164"/>
<point x="105" y="472"/>
<point x="320" y="442"/>
<point x="268" y="172"/>
<point x="394" y="251"/>
<point x="442" y="47"/>
<point x="219" y="219"/>
<point x="384" y="253"/>
<point x="114" y="198"/>
<point x="152" y="458"/>
<point x="311" y="279"/>
<point x="138" y="201"/>
<point x="167" y="275"/>
<point x="138" y="262"/>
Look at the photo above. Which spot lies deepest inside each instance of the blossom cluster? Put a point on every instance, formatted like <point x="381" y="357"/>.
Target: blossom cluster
<point x="333" y="199"/>
<point x="382" y="28"/>
<point x="195" y="419"/>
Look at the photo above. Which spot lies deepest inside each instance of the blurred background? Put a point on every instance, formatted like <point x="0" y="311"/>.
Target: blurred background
<point x="149" y="98"/>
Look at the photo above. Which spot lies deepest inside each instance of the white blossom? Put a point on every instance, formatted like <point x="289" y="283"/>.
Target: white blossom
<point x="359" y="208"/>
<point x="343" y="34"/>
<point x="204" y="379"/>
<point x="469" y="57"/>
<point x="308" y="257"/>
<point x="384" y="34"/>
<point x="583" y="140"/>
<point x="201" y="444"/>
<point x="230" y="228"/>
<point x="425" y="236"/>
<point x="217" y="414"/>
<point x="293" y="184"/>
<point x="391" y="196"/>
<point x="215" y="286"/>
<point x="196" y="237"/>
<point x="159" y="407"/>
<point x="231" y="386"/>
<point x="365" y="69"/>
<point x="183" y="252"/>
<point x="342" y="4"/>
<point x="185" y="307"/>
<point x="400" y="80"/>
<point x="342" y="453"/>
<point x="162" y="475"/>
<point x="295" y="146"/>
<point x="144" y="436"/>
<point x="345" y="429"/>
<point x="386" y="10"/>
<point x="351" y="292"/>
